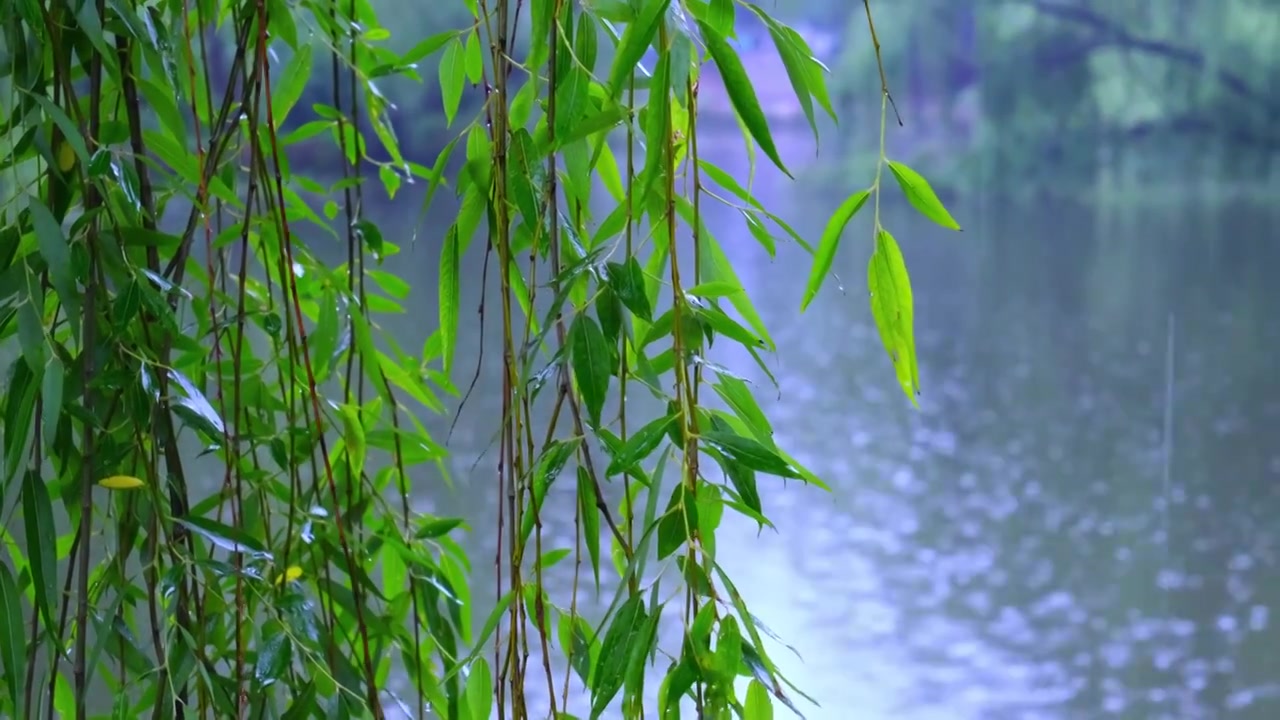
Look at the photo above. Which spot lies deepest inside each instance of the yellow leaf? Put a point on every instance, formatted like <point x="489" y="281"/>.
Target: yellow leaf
<point x="121" y="482"/>
<point x="293" y="572"/>
<point x="66" y="157"/>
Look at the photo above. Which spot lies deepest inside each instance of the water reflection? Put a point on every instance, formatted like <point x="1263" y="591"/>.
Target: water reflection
<point x="1013" y="549"/>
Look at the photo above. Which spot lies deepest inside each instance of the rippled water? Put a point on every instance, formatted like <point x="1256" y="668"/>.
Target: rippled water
<point x="1013" y="549"/>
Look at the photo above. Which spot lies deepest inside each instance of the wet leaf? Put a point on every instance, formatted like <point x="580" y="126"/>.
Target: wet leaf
<point x="549" y="467"/>
<point x="293" y="81"/>
<point x="480" y="690"/>
<point x="590" y="521"/>
<point x="736" y="393"/>
<point x="608" y="677"/>
<point x="224" y="536"/>
<point x="830" y="242"/>
<point x="12" y="641"/>
<point x="742" y="94"/>
<point x="42" y="543"/>
<point x="892" y="308"/>
<point x="921" y="195"/>
<point x="627" y="281"/>
<point x="640" y="445"/>
<point x="452" y="73"/>
<point x="679" y="520"/>
<point x="56" y="253"/>
<point x="591" y="363"/>
<point x="750" y="453"/>
<point x="274" y="652"/>
<point x="635" y="41"/>
<point x="759" y="706"/>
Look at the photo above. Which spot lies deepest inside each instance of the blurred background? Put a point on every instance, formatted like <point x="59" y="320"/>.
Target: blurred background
<point x="1082" y="520"/>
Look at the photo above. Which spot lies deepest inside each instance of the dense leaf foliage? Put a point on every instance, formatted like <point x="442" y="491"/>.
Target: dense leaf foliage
<point x="163" y="318"/>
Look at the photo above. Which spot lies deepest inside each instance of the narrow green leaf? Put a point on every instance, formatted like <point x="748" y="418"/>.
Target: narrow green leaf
<point x="293" y="81"/>
<point x="353" y="438"/>
<point x="480" y="690"/>
<point x="55" y="250"/>
<point x="608" y="677"/>
<point x="51" y="396"/>
<point x="589" y="354"/>
<point x="42" y="541"/>
<point x="830" y="242"/>
<point x="550" y="464"/>
<point x="490" y="624"/>
<point x="921" y="195"/>
<point x="30" y="312"/>
<point x="12" y="641"/>
<point x="679" y="519"/>
<point x="715" y="289"/>
<point x="590" y="521"/>
<point x="794" y="63"/>
<point x="744" y="481"/>
<point x="741" y="93"/>
<point x="892" y="308"/>
<point x="640" y="445"/>
<point x="635" y="41"/>
<point x="430" y="45"/>
<point x="450" y="297"/>
<point x="736" y="393"/>
<point x="224" y="536"/>
<point x="452" y="74"/>
<point x="473" y="59"/>
<point x="750" y="453"/>
<point x="275" y="650"/>
<point x="759" y="706"/>
<point x="627" y="281"/>
<point x="18" y="425"/>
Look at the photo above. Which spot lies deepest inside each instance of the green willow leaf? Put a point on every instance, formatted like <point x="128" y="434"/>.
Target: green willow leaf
<point x="56" y="253"/>
<point x="751" y="454"/>
<point x="608" y="675"/>
<point x="635" y="41"/>
<point x="590" y="359"/>
<point x="738" y="396"/>
<point x="679" y="519"/>
<point x="292" y="83"/>
<point x="12" y="641"/>
<point x="452" y="74"/>
<point x="921" y="195"/>
<point x="51" y="396"/>
<point x="892" y="308"/>
<point x="714" y="289"/>
<point x="744" y="482"/>
<point x="224" y="536"/>
<point x="450" y="297"/>
<point x="42" y="541"/>
<point x="830" y="242"/>
<point x="759" y="706"/>
<point x="274" y="653"/>
<point x="587" y="501"/>
<point x="742" y="94"/>
<point x="793" y="61"/>
<point x="640" y="445"/>
<point x="627" y="281"/>
<point x="428" y="47"/>
<point x="724" y="325"/>
<point x="479" y="690"/>
<point x="548" y="470"/>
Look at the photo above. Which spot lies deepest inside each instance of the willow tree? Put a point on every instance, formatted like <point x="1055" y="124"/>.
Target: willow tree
<point x="157" y="308"/>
